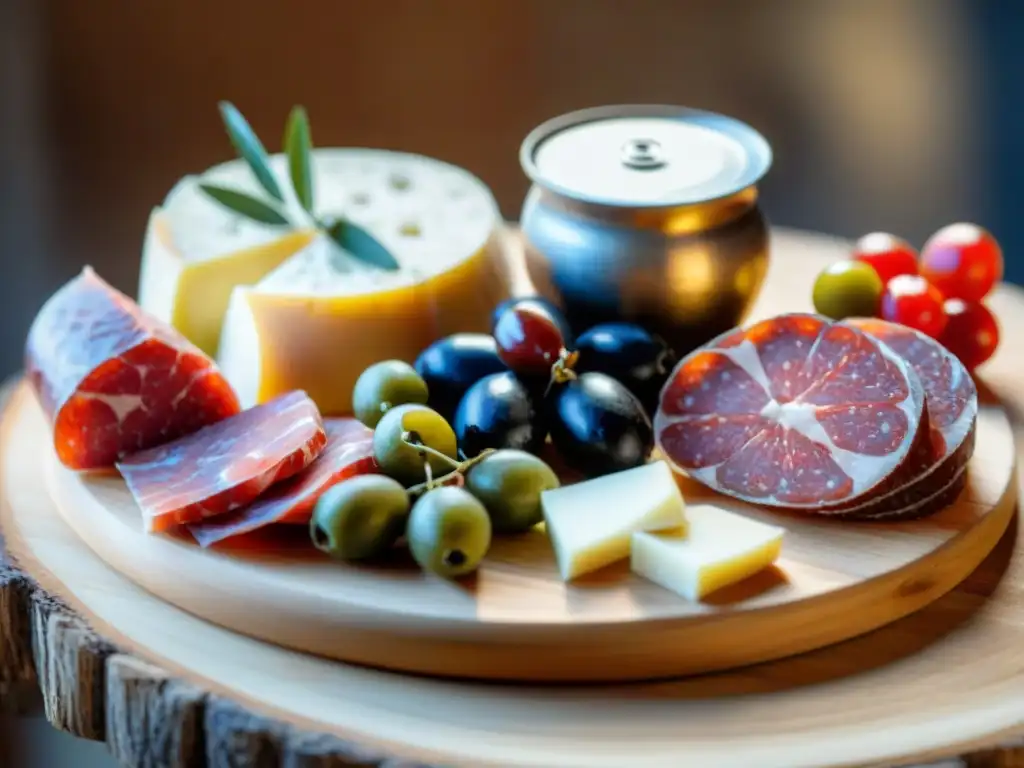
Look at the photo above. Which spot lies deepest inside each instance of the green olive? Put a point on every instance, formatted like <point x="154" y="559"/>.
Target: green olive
<point x="448" y="532"/>
<point x="509" y="483"/>
<point x="847" y="289"/>
<point x="384" y="385"/>
<point x="360" y="518"/>
<point x="418" y="424"/>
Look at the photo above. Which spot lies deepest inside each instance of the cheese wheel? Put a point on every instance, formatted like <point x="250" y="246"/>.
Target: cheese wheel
<point x="285" y="308"/>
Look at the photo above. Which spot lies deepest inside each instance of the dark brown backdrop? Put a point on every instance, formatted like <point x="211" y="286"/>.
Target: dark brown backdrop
<point x="872" y="107"/>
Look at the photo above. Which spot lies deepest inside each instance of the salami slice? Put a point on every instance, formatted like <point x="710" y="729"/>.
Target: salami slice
<point x="349" y="452"/>
<point x="113" y="380"/>
<point x="951" y="402"/>
<point x="226" y="465"/>
<point x="797" y="412"/>
<point x="921" y="505"/>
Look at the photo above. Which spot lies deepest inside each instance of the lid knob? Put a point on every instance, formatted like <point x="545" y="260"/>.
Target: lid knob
<point x="642" y="154"/>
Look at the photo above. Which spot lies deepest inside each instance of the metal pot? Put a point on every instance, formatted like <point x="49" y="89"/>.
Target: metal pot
<point x="647" y="214"/>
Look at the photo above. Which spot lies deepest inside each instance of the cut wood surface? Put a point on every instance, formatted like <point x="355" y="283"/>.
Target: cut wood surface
<point x="163" y="687"/>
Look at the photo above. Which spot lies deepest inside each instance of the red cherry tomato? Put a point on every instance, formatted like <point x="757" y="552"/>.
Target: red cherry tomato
<point x="972" y="333"/>
<point x="912" y="301"/>
<point x="963" y="261"/>
<point x="888" y="255"/>
<point x="528" y="338"/>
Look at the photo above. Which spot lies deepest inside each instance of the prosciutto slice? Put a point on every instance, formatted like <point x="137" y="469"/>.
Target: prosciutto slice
<point x="114" y="380"/>
<point x="226" y="465"/>
<point x="349" y="452"/>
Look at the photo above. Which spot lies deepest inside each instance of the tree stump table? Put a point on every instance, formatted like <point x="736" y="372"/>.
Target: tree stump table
<point x="943" y="686"/>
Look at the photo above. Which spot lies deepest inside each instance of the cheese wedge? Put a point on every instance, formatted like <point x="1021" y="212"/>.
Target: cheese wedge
<point x="590" y="524"/>
<point x="195" y="252"/>
<point x="717" y="549"/>
<point x="441" y="223"/>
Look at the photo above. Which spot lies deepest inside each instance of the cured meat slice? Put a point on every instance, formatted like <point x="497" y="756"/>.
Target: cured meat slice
<point x="951" y="402"/>
<point x="225" y="465"/>
<point x="113" y="380"/>
<point x="349" y="452"/>
<point x="918" y="500"/>
<point x="797" y="412"/>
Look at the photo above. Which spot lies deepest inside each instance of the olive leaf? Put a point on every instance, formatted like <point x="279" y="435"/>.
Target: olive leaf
<point x="360" y="244"/>
<point x="351" y="238"/>
<point x="248" y="145"/>
<point x="297" y="145"/>
<point x="243" y="204"/>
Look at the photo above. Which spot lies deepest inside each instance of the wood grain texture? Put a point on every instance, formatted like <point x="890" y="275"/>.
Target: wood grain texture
<point x="153" y="719"/>
<point x="941" y="683"/>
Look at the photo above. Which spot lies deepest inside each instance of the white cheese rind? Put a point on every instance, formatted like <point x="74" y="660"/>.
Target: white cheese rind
<point x="590" y="524"/>
<point x="239" y="355"/>
<point x="432" y="216"/>
<point x="435" y="218"/>
<point x="718" y="549"/>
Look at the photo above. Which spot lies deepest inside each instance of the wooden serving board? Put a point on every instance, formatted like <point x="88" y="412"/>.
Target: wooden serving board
<point x="517" y="620"/>
<point x="166" y="688"/>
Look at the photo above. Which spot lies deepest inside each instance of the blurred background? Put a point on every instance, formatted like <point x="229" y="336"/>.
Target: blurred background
<point x="902" y="116"/>
<point x="889" y="115"/>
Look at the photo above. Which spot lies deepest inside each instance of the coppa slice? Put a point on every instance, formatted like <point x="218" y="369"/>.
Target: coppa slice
<point x="114" y="380"/>
<point x="349" y="452"/>
<point x="226" y="465"/>
<point x="951" y="400"/>
<point x="796" y="412"/>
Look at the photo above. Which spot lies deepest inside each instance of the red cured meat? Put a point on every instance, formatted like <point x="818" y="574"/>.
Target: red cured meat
<point x="951" y="400"/>
<point x="349" y="452"/>
<point x="796" y="412"/>
<point x="225" y="465"/>
<point x="113" y="380"/>
<point x="921" y="505"/>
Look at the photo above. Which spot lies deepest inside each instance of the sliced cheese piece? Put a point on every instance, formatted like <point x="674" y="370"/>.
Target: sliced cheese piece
<point x="439" y="221"/>
<point x="590" y="524"/>
<point x="717" y="549"/>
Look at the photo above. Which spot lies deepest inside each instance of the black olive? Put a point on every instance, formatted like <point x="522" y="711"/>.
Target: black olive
<point x="548" y="306"/>
<point x="628" y="353"/>
<point x="499" y="411"/>
<point x="453" y="364"/>
<point x="598" y="426"/>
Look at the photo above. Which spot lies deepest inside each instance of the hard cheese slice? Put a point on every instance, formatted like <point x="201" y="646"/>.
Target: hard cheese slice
<point x="718" y="548"/>
<point x="440" y="222"/>
<point x="590" y="524"/>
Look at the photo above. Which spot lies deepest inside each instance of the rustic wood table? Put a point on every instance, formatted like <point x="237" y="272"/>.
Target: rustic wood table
<point x="163" y="688"/>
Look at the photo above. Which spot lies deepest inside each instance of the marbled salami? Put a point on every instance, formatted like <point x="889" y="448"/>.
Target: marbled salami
<point x="951" y="405"/>
<point x="797" y="412"/>
<point x="113" y="380"/>
<point x="227" y="465"/>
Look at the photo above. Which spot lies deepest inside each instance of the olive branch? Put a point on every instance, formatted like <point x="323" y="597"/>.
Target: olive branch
<point x="297" y="146"/>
